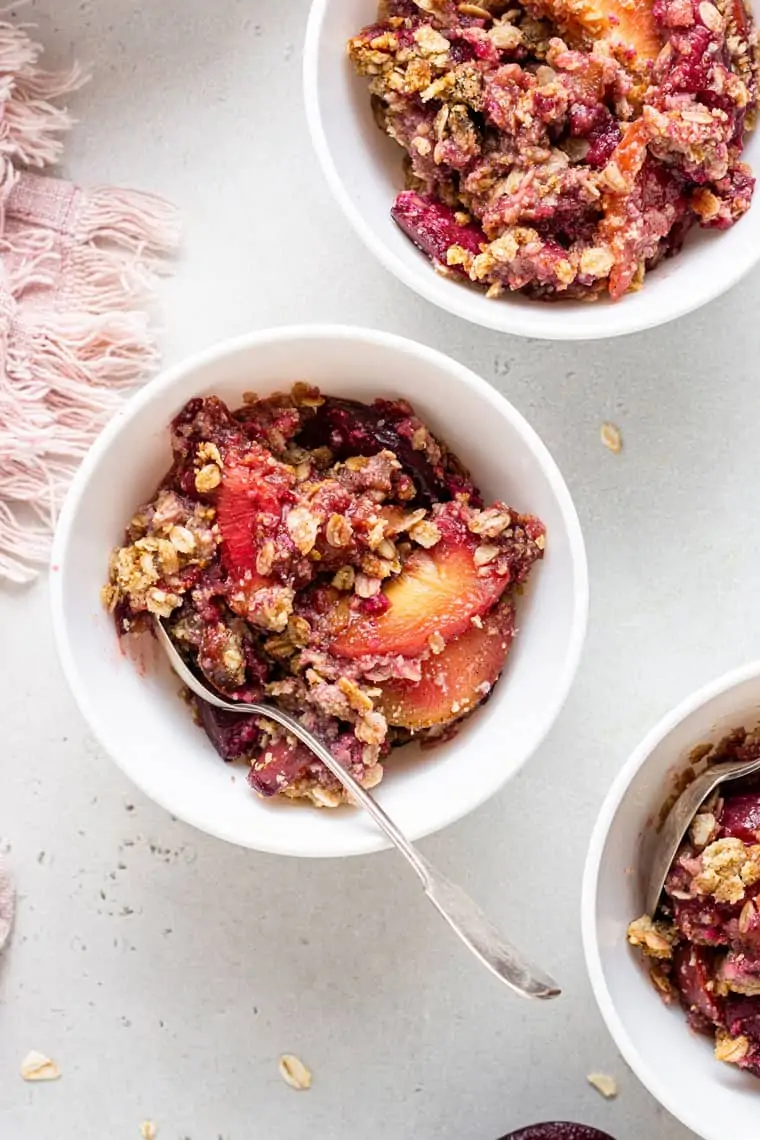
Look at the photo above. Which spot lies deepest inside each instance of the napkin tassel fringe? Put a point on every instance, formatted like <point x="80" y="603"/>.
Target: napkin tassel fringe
<point x="65" y="370"/>
<point x="80" y="268"/>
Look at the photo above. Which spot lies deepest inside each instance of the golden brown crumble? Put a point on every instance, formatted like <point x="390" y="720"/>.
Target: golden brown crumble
<point x="730" y="1049"/>
<point x="655" y="938"/>
<point x="425" y="533"/>
<point x="338" y="531"/>
<point x="728" y="868"/>
<point x="356" y="696"/>
<point x="343" y="579"/>
<point x="485" y="554"/>
<point x="703" y="829"/>
<point x="489" y="523"/>
<point x="208" y="453"/>
<point x="207" y="478"/>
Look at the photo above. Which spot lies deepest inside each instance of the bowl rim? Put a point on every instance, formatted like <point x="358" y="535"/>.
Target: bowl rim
<point x="646" y="1073"/>
<point x="554" y="325"/>
<point x="304" y="333"/>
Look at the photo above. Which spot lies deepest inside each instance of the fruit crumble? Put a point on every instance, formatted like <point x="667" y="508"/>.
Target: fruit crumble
<point x="703" y="945"/>
<point x="563" y="147"/>
<point x="332" y="557"/>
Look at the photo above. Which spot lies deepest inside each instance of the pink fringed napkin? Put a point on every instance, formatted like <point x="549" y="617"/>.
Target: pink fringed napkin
<point x="7" y="904"/>
<point x="77" y="269"/>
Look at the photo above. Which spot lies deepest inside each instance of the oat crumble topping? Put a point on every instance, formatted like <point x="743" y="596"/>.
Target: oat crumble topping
<point x="563" y="147"/>
<point x="333" y="557"/>
<point x="703" y="945"/>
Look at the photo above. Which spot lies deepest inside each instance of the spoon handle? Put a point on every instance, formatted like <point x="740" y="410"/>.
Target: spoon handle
<point x="358" y="793"/>
<point x="463" y="915"/>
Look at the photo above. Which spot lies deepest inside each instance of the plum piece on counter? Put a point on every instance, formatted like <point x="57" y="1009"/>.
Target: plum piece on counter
<point x="558" y="1131"/>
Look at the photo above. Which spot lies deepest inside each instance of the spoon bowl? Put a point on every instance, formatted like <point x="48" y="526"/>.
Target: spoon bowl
<point x="680" y="818"/>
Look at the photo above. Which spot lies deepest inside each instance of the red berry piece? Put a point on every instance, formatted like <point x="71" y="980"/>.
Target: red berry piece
<point x="433" y="227"/>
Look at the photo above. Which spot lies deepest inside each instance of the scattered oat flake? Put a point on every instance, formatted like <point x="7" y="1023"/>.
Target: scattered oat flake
<point x="603" y="1084"/>
<point x="37" y="1067"/>
<point x="294" y="1072"/>
<point x="148" y="1130"/>
<point x="612" y="438"/>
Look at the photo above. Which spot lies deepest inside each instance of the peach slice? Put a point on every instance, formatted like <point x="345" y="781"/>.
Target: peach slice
<point x="454" y="681"/>
<point x="438" y="592"/>
<point x="628" y="24"/>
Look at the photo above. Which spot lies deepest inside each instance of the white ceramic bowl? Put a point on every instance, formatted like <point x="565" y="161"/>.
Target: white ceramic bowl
<point x="138" y="717"/>
<point x="716" y="1101"/>
<point x="363" y="168"/>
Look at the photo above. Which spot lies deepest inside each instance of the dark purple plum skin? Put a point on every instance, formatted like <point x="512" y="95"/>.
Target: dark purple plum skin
<point x="743" y="1017"/>
<point x="233" y="735"/>
<point x="433" y="228"/>
<point x="740" y="818"/>
<point x="558" y="1131"/>
<point x="349" y="428"/>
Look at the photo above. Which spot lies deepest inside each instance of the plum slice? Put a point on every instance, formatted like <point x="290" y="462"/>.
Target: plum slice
<point x="741" y="973"/>
<point x="254" y="488"/>
<point x="439" y="592"/>
<point x="281" y="763"/>
<point x="693" y="974"/>
<point x="455" y="681"/>
<point x="558" y="1130"/>
<point x="433" y="227"/>
<point x="285" y="760"/>
<point x="740" y="818"/>
<point x="233" y="735"/>
<point x="701" y="921"/>
<point x="349" y="428"/>
<point x="743" y="1017"/>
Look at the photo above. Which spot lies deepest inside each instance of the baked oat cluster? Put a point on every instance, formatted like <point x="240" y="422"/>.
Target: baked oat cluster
<point x="703" y="945"/>
<point x="563" y="147"/>
<point x="335" y="558"/>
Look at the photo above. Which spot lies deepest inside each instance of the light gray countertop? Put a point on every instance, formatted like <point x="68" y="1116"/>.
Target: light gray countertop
<point x="165" y="971"/>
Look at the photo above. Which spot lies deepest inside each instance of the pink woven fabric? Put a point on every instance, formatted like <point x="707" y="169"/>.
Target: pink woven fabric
<point x="7" y="904"/>
<point x="77" y="269"/>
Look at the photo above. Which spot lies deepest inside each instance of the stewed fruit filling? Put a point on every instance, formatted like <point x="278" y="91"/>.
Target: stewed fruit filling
<point x="331" y="557"/>
<point x="703" y="945"/>
<point x="563" y="147"/>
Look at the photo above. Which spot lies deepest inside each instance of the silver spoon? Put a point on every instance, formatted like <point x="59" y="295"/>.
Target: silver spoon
<point x="680" y="818"/>
<point x="462" y="914"/>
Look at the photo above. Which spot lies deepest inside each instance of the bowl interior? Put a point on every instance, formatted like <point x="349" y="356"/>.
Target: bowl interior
<point x="136" y="713"/>
<point x="678" y="1067"/>
<point x="364" y="169"/>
